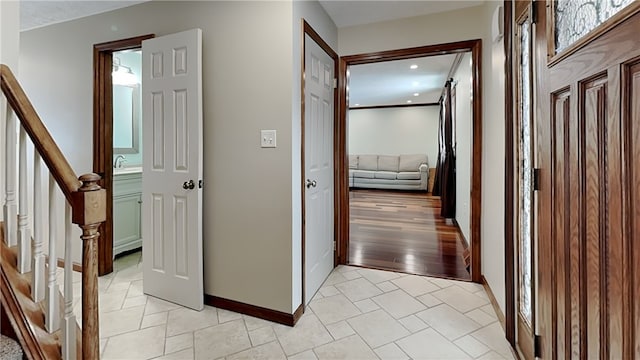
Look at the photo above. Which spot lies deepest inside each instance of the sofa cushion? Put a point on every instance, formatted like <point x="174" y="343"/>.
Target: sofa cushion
<point x="363" y="174"/>
<point x="353" y="161"/>
<point x="368" y="162"/>
<point x="408" y="175"/>
<point x="388" y="163"/>
<point x="411" y="162"/>
<point x="390" y="175"/>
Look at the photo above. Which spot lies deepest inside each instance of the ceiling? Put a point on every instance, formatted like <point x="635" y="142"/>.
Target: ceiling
<point x="396" y="83"/>
<point x="343" y="12"/>
<point x="34" y="14"/>
<point x="358" y="12"/>
<point x="388" y="83"/>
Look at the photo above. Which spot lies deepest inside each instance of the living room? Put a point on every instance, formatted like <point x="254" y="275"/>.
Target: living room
<point x="395" y="141"/>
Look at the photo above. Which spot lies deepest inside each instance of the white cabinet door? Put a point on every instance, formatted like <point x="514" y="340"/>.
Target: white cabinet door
<point x="127" y="234"/>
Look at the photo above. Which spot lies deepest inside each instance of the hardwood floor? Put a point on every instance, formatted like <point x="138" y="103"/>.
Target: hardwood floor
<point x="403" y="231"/>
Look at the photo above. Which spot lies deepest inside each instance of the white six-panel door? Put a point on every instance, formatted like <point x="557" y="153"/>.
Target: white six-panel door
<point x="172" y="164"/>
<point x="318" y="135"/>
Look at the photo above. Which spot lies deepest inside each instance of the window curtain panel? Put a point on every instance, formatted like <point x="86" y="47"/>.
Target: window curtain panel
<point x="445" y="183"/>
<point x="437" y="183"/>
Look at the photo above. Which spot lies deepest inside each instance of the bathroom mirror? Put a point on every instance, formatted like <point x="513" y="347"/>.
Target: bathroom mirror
<point x="126" y="119"/>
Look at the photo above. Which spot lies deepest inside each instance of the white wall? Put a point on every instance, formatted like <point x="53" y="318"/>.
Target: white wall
<point x="493" y="152"/>
<point x="465" y="24"/>
<point x="247" y="54"/>
<point x="395" y="131"/>
<point x="315" y="16"/>
<point x="9" y="33"/>
<point x="463" y="143"/>
<point x="9" y="45"/>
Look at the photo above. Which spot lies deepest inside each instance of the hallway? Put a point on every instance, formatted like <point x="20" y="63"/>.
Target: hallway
<point x="357" y="314"/>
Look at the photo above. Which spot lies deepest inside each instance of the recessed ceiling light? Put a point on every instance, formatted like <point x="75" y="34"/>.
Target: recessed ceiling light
<point x="357" y="105"/>
<point x="413" y="67"/>
<point x="409" y="101"/>
<point x="416" y="94"/>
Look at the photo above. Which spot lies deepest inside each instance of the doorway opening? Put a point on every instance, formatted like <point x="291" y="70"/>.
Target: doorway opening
<point x="473" y="49"/>
<point x="401" y="217"/>
<point x="103" y="131"/>
<point x="127" y="151"/>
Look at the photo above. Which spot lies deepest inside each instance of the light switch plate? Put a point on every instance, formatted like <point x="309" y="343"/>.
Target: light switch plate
<point x="268" y="138"/>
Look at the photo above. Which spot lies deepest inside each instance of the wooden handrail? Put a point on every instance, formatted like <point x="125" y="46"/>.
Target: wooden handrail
<point x="42" y="140"/>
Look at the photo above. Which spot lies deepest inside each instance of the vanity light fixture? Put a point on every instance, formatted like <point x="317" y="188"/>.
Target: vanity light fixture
<point x="122" y="74"/>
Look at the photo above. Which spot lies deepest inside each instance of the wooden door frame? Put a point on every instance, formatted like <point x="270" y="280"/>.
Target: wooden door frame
<point x="103" y="135"/>
<point x="337" y="214"/>
<point x="475" y="46"/>
<point x="509" y="208"/>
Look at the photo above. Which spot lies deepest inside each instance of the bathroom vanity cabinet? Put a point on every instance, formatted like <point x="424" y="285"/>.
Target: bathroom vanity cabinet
<point x="127" y="208"/>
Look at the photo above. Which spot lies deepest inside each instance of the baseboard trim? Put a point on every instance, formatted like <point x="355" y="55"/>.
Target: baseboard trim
<point x="255" y="311"/>
<point x="465" y="243"/>
<point x="76" y="267"/>
<point x="494" y="302"/>
<point x="466" y="253"/>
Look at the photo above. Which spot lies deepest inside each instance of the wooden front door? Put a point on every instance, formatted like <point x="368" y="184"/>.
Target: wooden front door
<point x="588" y="128"/>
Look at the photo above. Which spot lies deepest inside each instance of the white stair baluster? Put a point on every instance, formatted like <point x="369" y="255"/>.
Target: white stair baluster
<point x="24" y="232"/>
<point x="10" y="205"/>
<point x="52" y="316"/>
<point x="69" y="320"/>
<point x="37" y="269"/>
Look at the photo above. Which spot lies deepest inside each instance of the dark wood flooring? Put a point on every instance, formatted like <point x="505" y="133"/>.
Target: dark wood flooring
<point x="403" y="231"/>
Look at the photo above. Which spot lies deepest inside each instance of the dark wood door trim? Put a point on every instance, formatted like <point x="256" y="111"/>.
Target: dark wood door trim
<point x="103" y="135"/>
<point x="509" y="245"/>
<point x="338" y="162"/>
<point x="475" y="46"/>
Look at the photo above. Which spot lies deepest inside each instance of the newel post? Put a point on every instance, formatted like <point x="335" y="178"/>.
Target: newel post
<point x="89" y="211"/>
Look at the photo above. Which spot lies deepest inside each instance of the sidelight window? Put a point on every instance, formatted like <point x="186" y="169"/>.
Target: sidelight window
<point x="525" y="170"/>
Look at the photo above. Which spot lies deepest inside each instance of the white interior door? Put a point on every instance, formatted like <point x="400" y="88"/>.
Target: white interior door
<point x="318" y="135"/>
<point x="172" y="164"/>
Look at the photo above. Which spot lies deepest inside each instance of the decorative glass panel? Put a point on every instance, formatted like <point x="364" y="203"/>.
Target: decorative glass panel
<point x="575" y="18"/>
<point x="525" y="173"/>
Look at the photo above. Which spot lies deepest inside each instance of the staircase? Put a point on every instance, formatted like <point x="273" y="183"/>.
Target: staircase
<point x="37" y="311"/>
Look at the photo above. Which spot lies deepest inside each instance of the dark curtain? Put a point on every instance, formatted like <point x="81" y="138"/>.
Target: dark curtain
<point x="441" y="151"/>
<point x="445" y="182"/>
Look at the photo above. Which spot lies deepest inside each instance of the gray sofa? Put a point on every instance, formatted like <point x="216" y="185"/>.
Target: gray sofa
<point x="402" y="172"/>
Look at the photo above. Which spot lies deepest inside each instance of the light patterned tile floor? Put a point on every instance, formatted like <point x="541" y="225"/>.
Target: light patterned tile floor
<point x="357" y="314"/>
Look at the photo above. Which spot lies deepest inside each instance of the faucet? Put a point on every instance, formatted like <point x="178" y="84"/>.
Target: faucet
<point x="117" y="163"/>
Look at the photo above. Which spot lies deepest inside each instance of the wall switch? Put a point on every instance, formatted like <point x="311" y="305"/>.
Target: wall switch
<point x="268" y="138"/>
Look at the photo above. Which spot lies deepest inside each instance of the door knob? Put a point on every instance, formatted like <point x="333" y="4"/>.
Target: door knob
<point x="188" y="185"/>
<point x="311" y="183"/>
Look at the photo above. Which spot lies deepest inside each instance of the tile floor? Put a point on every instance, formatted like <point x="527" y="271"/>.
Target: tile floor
<point x="357" y="314"/>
